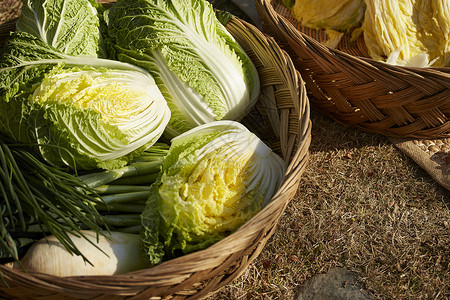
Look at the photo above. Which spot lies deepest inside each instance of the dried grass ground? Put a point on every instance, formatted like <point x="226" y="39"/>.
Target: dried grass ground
<point x="364" y="205"/>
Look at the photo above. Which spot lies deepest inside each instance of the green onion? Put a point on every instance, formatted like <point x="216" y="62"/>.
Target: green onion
<point x="105" y="177"/>
<point x="124" y="220"/>
<point x="122" y="208"/>
<point x="35" y="193"/>
<point x="124" y="191"/>
<point x="37" y="199"/>
<point x="118" y="189"/>
<point x="133" y="197"/>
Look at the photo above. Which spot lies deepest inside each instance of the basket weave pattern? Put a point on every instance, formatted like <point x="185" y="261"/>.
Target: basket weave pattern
<point x="281" y="118"/>
<point x="358" y="91"/>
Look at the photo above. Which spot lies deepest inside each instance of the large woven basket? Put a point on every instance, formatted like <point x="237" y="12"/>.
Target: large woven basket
<point x="281" y="118"/>
<point x="357" y="91"/>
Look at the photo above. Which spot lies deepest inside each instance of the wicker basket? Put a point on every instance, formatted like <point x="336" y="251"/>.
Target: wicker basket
<point x="281" y="118"/>
<point x="358" y="91"/>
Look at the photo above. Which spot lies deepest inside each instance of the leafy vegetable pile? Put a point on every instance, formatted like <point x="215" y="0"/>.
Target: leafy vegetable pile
<point x="120" y="129"/>
<point x="408" y="33"/>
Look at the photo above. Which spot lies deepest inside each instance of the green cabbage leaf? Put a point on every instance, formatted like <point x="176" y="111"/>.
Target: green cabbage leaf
<point x="70" y="26"/>
<point x="83" y="112"/>
<point x="214" y="178"/>
<point x="202" y="71"/>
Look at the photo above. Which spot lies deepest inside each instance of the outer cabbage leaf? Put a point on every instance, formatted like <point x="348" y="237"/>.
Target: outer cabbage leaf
<point x="203" y="72"/>
<point x="214" y="179"/>
<point x="339" y="15"/>
<point x="70" y="26"/>
<point x="334" y="16"/>
<point x="84" y="113"/>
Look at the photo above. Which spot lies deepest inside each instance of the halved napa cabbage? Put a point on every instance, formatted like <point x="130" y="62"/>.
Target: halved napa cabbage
<point x="408" y="32"/>
<point x="215" y="177"/>
<point x="81" y="112"/>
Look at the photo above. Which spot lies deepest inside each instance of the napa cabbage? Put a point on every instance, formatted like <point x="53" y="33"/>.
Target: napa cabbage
<point x="214" y="178"/>
<point x="202" y="71"/>
<point x="408" y="32"/>
<point x="70" y="26"/>
<point x="83" y="112"/>
<point x="334" y="16"/>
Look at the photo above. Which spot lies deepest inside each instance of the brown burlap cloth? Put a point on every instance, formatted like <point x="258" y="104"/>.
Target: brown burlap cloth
<point x="431" y="155"/>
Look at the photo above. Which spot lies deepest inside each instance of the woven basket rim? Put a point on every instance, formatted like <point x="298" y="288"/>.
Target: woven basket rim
<point x="405" y="101"/>
<point x="193" y="265"/>
<point x="284" y="22"/>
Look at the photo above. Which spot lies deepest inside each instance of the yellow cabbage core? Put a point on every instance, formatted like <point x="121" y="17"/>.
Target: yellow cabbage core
<point x="214" y="194"/>
<point x="217" y="193"/>
<point x="112" y="98"/>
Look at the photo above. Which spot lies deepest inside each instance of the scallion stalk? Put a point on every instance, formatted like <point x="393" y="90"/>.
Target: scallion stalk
<point x="118" y="189"/>
<point x="33" y="192"/>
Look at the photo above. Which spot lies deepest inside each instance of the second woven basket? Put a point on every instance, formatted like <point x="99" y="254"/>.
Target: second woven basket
<point x="358" y="91"/>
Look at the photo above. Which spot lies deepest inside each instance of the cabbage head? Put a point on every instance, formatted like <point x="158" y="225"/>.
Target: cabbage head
<point x="84" y="113"/>
<point x="334" y="16"/>
<point x="408" y="32"/>
<point x="214" y="179"/>
<point x="70" y="26"/>
<point x="202" y="71"/>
